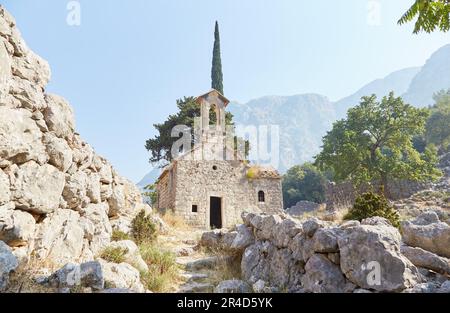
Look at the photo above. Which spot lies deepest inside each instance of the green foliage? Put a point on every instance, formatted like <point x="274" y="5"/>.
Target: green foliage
<point x="118" y="235"/>
<point x="216" y="71"/>
<point x="143" y="229"/>
<point x="150" y="194"/>
<point x="303" y="182"/>
<point x="160" y="146"/>
<point x="375" y="143"/>
<point x="114" y="255"/>
<point x="370" y="205"/>
<point x="431" y="15"/>
<point x="438" y="124"/>
<point x="163" y="270"/>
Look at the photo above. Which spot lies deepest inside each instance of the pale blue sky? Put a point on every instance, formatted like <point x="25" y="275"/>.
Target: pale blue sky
<point x="123" y="68"/>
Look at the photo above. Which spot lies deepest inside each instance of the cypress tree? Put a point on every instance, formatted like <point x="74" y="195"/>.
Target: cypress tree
<point x="216" y="72"/>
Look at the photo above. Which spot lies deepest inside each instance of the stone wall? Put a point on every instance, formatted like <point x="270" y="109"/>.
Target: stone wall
<point x="340" y="196"/>
<point x="197" y="181"/>
<point x="59" y="200"/>
<point x="281" y="254"/>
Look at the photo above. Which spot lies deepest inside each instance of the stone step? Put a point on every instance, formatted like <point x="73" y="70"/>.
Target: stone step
<point x="200" y="264"/>
<point x="193" y="277"/>
<point x="195" y="287"/>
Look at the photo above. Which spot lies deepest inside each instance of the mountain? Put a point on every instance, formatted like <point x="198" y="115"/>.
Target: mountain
<point x="434" y="76"/>
<point x="398" y="82"/>
<point x="303" y="120"/>
<point x="150" y="178"/>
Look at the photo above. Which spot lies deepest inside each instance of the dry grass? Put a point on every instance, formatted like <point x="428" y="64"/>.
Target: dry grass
<point x="114" y="254"/>
<point x="22" y="281"/>
<point x="163" y="271"/>
<point x="174" y="221"/>
<point x="118" y="235"/>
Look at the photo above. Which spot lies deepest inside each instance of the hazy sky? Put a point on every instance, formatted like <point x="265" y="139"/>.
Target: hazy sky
<point x="123" y="68"/>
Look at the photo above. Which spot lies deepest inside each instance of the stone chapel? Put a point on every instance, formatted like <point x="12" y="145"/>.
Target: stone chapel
<point x="210" y="190"/>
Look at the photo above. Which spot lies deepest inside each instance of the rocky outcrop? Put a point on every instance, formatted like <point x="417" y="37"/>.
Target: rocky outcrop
<point x="59" y="200"/>
<point x="284" y="254"/>
<point x="429" y="233"/>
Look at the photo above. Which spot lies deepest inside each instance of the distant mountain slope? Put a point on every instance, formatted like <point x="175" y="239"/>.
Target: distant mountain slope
<point x="150" y="178"/>
<point x="434" y="76"/>
<point x="398" y="82"/>
<point x="303" y="121"/>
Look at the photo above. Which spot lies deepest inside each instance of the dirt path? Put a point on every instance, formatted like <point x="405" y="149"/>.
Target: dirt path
<point x="198" y="268"/>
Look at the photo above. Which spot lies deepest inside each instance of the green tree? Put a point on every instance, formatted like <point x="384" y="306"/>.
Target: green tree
<point x="375" y="143"/>
<point x="160" y="146"/>
<point x="216" y="71"/>
<point x="431" y="15"/>
<point x="150" y="194"/>
<point x="438" y="124"/>
<point x="303" y="182"/>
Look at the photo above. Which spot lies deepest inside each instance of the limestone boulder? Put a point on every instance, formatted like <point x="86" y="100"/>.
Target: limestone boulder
<point x="370" y="258"/>
<point x="311" y="226"/>
<point x="5" y="193"/>
<point x="60" y="237"/>
<point x="20" y="137"/>
<point x="322" y="276"/>
<point x="132" y="255"/>
<point x="122" y="276"/>
<point x="87" y="274"/>
<point x="59" y="116"/>
<point x="38" y="188"/>
<point x="16" y="227"/>
<point x="326" y="240"/>
<point x="5" y="66"/>
<point x="8" y="264"/>
<point x="266" y="226"/>
<point x="93" y="187"/>
<point x="95" y="223"/>
<point x="244" y="238"/>
<point x="59" y="152"/>
<point x="426" y="259"/>
<point x="233" y="286"/>
<point x="74" y="192"/>
<point x="428" y="233"/>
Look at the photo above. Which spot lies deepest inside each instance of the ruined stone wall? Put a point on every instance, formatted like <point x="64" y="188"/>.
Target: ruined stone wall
<point x="59" y="200"/>
<point x="165" y="189"/>
<point x="342" y="195"/>
<point x="197" y="181"/>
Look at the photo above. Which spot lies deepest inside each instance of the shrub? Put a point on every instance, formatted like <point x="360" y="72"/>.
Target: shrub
<point x="118" y="235"/>
<point x="143" y="228"/>
<point x="162" y="268"/>
<point x="370" y="205"/>
<point x="115" y="255"/>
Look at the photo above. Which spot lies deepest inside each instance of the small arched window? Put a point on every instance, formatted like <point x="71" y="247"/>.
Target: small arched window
<point x="261" y="196"/>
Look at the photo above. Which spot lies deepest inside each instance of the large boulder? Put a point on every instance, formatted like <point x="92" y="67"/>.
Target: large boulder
<point x="8" y="264"/>
<point x="38" y="188"/>
<point x="322" y="276"/>
<point x="60" y="237"/>
<point x="20" y="137"/>
<point x="370" y="258"/>
<point x="59" y="116"/>
<point x="74" y="192"/>
<point x="87" y="274"/>
<point x="16" y="227"/>
<point x="428" y="233"/>
<point x="426" y="259"/>
<point x="95" y="223"/>
<point x="132" y="255"/>
<point x="122" y="276"/>
<point x="59" y="152"/>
